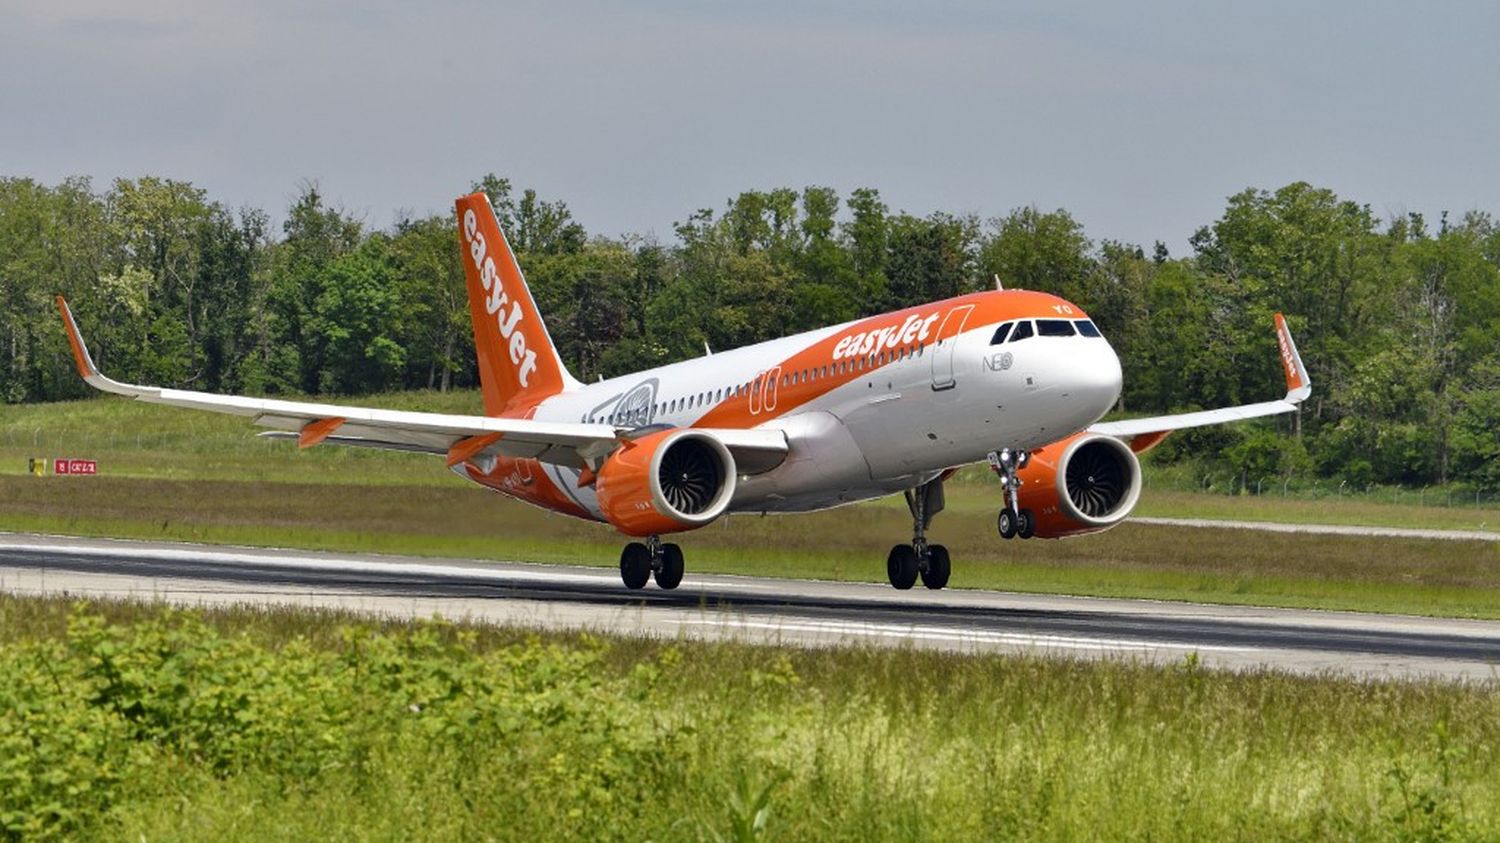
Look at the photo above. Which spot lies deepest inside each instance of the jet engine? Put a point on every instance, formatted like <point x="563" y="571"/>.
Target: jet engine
<point x="1083" y="484"/>
<point x="666" y="482"/>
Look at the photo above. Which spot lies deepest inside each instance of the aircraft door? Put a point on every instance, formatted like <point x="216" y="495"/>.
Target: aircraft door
<point x="947" y="341"/>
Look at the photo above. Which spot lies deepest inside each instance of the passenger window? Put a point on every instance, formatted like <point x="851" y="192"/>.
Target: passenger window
<point x="1022" y="331"/>
<point x="1000" y="333"/>
<point x="1087" y="328"/>
<point x="1054" y="328"/>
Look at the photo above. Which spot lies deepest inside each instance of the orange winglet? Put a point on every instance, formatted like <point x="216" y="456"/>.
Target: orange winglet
<point x="463" y="449"/>
<point x="81" y="357"/>
<point x="1291" y="361"/>
<point x="315" y="432"/>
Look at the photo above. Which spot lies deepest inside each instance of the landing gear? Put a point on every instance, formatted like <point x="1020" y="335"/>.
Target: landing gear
<point x="635" y="565"/>
<point x="901" y="566"/>
<point x="1013" y="520"/>
<point x="907" y="562"/>
<point x="1006" y="523"/>
<point x="1012" y="524"/>
<point x="639" y="562"/>
<point x="1026" y="524"/>
<point x="935" y="575"/>
<point x="669" y="572"/>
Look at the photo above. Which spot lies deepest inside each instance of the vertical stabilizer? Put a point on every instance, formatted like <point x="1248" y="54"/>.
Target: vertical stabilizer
<point x="518" y="364"/>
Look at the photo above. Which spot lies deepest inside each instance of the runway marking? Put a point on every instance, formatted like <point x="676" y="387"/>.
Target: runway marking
<point x="323" y="563"/>
<point x="1325" y="529"/>
<point x="937" y="633"/>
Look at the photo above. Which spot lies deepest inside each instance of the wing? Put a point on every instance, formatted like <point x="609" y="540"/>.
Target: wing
<point x="1146" y="433"/>
<point x="457" y="437"/>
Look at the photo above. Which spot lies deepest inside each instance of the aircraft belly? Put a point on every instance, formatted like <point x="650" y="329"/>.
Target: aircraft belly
<point x="911" y="431"/>
<point x="823" y="461"/>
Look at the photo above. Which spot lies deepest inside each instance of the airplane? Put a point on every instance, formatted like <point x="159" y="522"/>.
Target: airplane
<point x="893" y="403"/>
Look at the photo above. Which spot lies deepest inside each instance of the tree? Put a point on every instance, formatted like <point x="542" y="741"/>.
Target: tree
<point x="1032" y="250"/>
<point x="356" y="321"/>
<point x="930" y="258"/>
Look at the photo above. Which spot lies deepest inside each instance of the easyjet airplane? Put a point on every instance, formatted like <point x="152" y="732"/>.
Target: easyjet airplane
<point x="891" y="403"/>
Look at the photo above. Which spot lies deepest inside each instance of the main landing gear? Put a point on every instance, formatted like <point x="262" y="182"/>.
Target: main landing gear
<point x="640" y="561"/>
<point x="1013" y="520"/>
<point x="907" y="562"/>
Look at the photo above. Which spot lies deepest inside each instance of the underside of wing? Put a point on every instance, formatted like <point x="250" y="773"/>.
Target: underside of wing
<point x="1143" y="434"/>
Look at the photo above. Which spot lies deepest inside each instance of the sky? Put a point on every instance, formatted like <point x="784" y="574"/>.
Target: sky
<point x="1138" y="118"/>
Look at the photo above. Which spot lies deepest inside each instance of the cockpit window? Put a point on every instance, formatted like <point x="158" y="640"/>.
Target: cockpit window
<point x="1087" y="328"/>
<point x="1054" y="328"/>
<point x="1022" y="331"/>
<point x="1000" y="333"/>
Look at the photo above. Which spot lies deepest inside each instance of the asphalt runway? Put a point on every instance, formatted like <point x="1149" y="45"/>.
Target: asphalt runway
<point x="810" y="613"/>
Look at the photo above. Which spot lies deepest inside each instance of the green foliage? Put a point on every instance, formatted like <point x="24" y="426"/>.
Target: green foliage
<point x="129" y="721"/>
<point x="1398" y="323"/>
<point x="89" y="720"/>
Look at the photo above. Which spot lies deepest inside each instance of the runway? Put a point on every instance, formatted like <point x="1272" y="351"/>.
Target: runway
<point x="810" y="613"/>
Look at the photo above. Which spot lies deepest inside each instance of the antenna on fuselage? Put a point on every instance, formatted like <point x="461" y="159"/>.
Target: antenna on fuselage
<point x="707" y="352"/>
<point x="998" y="285"/>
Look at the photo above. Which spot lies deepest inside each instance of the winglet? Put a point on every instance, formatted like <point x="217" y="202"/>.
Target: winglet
<point x="86" y="368"/>
<point x="1298" y="384"/>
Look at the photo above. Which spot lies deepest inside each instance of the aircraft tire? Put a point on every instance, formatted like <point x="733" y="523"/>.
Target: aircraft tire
<point x="635" y="565"/>
<point x="939" y="567"/>
<point x="1026" y="524"/>
<point x="901" y="566"/>
<point x="1006" y="523"/>
<point x="669" y="575"/>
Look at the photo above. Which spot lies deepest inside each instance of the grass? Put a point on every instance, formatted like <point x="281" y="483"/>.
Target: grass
<point x="279" y="724"/>
<point x="1434" y="577"/>
<point x="178" y="475"/>
<point x="137" y="440"/>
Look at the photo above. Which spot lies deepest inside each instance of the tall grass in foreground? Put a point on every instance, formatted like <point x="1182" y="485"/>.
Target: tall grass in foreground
<point x="127" y="721"/>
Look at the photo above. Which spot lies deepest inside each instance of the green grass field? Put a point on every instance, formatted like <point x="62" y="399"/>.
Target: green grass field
<point x="168" y="474"/>
<point x="123" y="721"/>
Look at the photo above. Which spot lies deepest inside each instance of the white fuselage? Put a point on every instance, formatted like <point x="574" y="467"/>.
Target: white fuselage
<point x="894" y="426"/>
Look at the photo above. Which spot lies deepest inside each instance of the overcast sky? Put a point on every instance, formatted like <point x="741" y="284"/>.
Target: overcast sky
<point x="1139" y="118"/>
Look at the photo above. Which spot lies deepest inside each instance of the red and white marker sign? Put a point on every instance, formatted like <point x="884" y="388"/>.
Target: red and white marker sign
<point x="75" y="467"/>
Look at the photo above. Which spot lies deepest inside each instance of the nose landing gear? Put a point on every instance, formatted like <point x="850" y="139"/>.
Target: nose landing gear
<point x="930" y="562"/>
<point x="1013" y="520"/>
<point x="639" y="562"/>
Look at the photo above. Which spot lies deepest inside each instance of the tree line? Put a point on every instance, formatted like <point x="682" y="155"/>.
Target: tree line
<point x="1398" y="320"/>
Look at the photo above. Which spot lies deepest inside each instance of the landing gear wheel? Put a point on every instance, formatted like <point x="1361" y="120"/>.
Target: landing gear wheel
<point x="670" y="573"/>
<point x="935" y="575"/>
<point x="901" y="566"/>
<point x="635" y="565"/>
<point x="1007" y="523"/>
<point x="1026" y="524"/>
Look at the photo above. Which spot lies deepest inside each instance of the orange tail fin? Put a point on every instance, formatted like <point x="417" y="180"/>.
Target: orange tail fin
<point x="518" y="364"/>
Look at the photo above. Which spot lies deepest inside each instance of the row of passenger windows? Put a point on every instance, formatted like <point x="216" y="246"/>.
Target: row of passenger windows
<point x="1022" y="329"/>
<point x="800" y="376"/>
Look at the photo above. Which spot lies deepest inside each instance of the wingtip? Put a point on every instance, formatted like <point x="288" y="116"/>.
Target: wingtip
<point x="81" y="358"/>
<point x="1298" y="384"/>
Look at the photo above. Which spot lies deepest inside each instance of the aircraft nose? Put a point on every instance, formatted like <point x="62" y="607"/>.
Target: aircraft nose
<point x="1096" y="378"/>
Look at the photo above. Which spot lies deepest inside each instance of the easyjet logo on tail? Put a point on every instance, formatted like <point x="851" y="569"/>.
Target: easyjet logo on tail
<point x="498" y="302"/>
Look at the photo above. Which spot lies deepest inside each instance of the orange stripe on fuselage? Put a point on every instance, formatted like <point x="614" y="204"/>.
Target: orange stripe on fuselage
<point x="900" y="332"/>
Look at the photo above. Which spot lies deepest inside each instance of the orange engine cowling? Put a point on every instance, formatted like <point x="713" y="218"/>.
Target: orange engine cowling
<point x="1083" y="484"/>
<point x="666" y="482"/>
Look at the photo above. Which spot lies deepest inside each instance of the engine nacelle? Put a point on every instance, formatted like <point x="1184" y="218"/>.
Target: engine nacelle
<point x="666" y="482"/>
<point x="1083" y="484"/>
